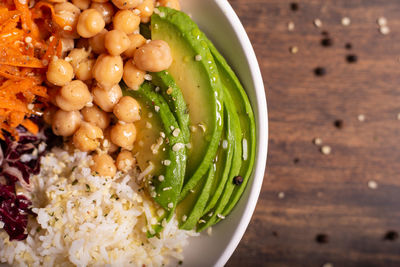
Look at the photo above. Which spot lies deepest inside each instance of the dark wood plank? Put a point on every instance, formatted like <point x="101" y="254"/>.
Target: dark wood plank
<point x="327" y="194"/>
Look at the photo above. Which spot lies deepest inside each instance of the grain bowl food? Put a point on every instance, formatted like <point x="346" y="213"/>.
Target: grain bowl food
<point x="124" y="132"/>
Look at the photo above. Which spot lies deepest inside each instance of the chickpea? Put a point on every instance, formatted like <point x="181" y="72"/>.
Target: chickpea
<point x="106" y="99"/>
<point x="82" y="4"/>
<point x="73" y="96"/>
<point x="90" y="23"/>
<point x="154" y="56"/>
<point x="103" y="165"/>
<point x="125" y="161"/>
<point x="136" y="41"/>
<point x="67" y="45"/>
<point x="48" y="114"/>
<point x="96" y="116"/>
<point x="105" y="9"/>
<point x="108" y="70"/>
<point x="70" y="14"/>
<point x="123" y="135"/>
<point x="116" y="42"/>
<point x="170" y="3"/>
<point x="59" y="72"/>
<point x="107" y="145"/>
<point x="126" y="21"/>
<point x="65" y="123"/>
<point x="84" y="70"/>
<point x="133" y="77"/>
<point x="97" y="42"/>
<point x="76" y="56"/>
<point x="87" y="137"/>
<point x="146" y="10"/>
<point x="127" y="109"/>
<point x="126" y="4"/>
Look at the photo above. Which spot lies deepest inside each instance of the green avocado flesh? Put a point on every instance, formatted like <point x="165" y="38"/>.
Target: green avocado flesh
<point x="201" y="96"/>
<point x="200" y="85"/>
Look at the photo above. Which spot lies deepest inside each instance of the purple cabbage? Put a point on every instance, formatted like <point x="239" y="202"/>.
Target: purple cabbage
<point x="14" y="210"/>
<point x="18" y="160"/>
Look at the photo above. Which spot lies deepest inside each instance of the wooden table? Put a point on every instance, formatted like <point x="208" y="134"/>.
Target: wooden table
<point x="341" y="208"/>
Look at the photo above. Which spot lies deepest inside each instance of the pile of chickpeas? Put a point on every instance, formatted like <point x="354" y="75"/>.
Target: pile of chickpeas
<point x="102" y="44"/>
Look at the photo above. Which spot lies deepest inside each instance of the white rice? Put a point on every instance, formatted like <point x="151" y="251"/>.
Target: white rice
<point x="94" y="221"/>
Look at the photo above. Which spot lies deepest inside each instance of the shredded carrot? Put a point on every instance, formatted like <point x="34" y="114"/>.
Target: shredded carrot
<point x="24" y="55"/>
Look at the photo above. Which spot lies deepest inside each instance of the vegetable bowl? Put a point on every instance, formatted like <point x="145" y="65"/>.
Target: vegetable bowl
<point x="142" y="120"/>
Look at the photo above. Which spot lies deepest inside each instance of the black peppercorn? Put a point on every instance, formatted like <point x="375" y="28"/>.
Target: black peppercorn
<point x="238" y="180"/>
<point x="294" y="6"/>
<point x="319" y="71"/>
<point x="351" y="58"/>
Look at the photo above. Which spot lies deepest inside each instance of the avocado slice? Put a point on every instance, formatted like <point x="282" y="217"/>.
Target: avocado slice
<point x="200" y="85"/>
<point x="245" y="146"/>
<point x="165" y="191"/>
<point x="174" y="97"/>
<point x="213" y="212"/>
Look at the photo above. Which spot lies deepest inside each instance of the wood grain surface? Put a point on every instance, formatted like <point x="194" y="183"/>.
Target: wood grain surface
<point x="328" y="210"/>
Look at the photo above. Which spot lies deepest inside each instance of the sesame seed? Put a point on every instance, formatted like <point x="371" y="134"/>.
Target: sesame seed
<point x="148" y="125"/>
<point x="157" y="108"/>
<point x="161" y="178"/>
<point x="317" y="141"/>
<point x="176" y="132"/>
<point x="157" y="89"/>
<point x="22" y="2"/>
<point x="318" y="23"/>
<point x="172" y="127"/>
<point x="382" y="21"/>
<point x="361" y="117"/>
<point x="148" y="77"/>
<point x="346" y="21"/>
<point x="45" y="62"/>
<point x="290" y="26"/>
<point x="209" y="231"/>
<point x="28" y="39"/>
<point x="225" y="144"/>
<point x="162" y="134"/>
<point x="148" y="41"/>
<point x="178" y="146"/>
<point x="122" y="122"/>
<point x="67" y="28"/>
<point x="89" y="104"/>
<point x="31" y="106"/>
<point x="281" y="195"/>
<point x="167" y="188"/>
<point x="384" y="30"/>
<point x="184" y="218"/>
<point x="169" y="90"/>
<point x="166" y="162"/>
<point x="202" y="126"/>
<point x="221" y="216"/>
<point x="198" y="57"/>
<point x="372" y="184"/>
<point x="294" y="49"/>
<point x="202" y="221"/>
<point x="326" y="150"/>
<point x="170" y="205"/>
<point x="150" y="115"/>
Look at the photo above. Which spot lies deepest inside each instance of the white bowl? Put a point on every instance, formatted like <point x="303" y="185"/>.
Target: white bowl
<point x="220" y="23"/>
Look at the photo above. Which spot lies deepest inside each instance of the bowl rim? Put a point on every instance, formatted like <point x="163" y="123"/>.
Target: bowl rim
<point x="262" y="129"/>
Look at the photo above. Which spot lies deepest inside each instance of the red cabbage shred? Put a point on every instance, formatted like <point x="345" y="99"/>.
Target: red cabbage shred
<point x="18" y="160"/>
